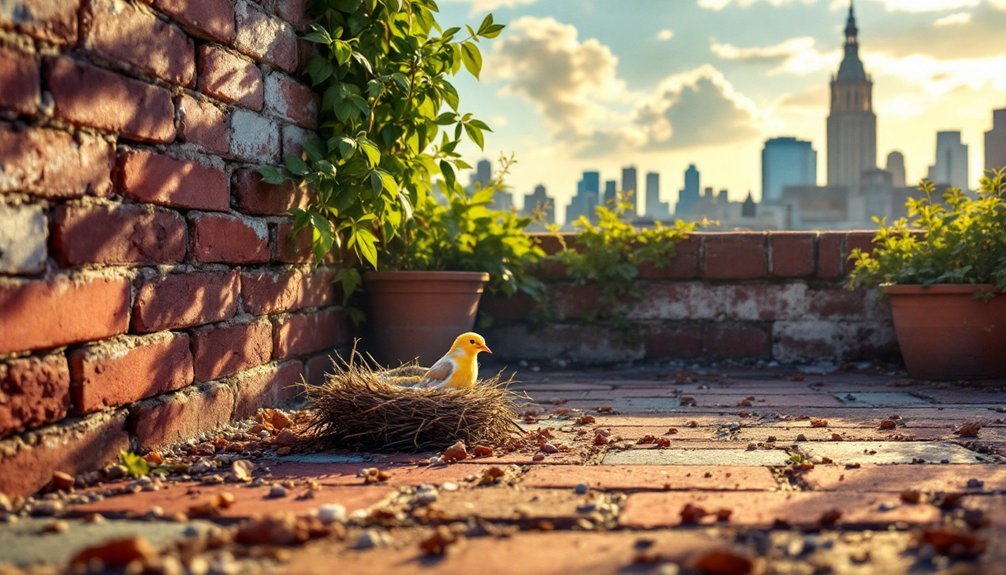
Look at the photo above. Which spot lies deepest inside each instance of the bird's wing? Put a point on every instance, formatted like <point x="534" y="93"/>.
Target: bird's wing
<point x="439" y="373"/>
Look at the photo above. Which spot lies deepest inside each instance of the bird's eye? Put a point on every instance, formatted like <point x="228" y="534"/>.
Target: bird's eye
<point x="471" y="341"/>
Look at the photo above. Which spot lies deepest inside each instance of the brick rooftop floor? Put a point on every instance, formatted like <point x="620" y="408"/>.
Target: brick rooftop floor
<point x="803" y="472"/>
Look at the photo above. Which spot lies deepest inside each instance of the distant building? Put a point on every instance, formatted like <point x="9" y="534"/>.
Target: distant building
<point x="654" y="208"/>
<point x="852" y="124"/>
<point x="540" y="202"/>
<point x="482" y="175"/>
<point x="689" y="196"/>
<point x="750" y="208"/>
<point x="816" y="207"/>
<point x="995" y="142"/>
<point x="951" y="165"/>
<point x="630" y="184"/>
<point x="786" y="162"/>
<point x="896" y="167"/>
<point x="588" y="194"/>
<point x="610" y="193"/>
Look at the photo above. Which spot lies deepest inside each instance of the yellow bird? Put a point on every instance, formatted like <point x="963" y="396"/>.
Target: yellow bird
<point x="459" y="368"/>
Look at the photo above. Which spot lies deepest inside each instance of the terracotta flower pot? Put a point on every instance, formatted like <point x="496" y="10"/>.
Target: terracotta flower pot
<point x="418" y="314"/>
<point x="944" y="333"/>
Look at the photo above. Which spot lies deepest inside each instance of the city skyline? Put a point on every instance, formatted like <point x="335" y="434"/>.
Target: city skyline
<point x="575" y="86"/>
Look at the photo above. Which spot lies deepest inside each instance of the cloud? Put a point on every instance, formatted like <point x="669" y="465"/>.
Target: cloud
<point x="955" y="19"/>
<point x="928" y="5"/>
<point x="798" y="56"/>
<point x="479" y="6"/>
<point x="721" y="4"/>
<point x="665" y="35"/>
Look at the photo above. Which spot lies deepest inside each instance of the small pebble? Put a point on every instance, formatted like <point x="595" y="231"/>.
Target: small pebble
<point x="372" y="538"/>
<point x="449" y="486"/>
<point x="886" y="506"/>
<point x="46" y="508"/>
<point x="975" y="483"/>
<point x="331" y="513"/>
<point x="277" y="491"/>
<point x="581" y="488"/>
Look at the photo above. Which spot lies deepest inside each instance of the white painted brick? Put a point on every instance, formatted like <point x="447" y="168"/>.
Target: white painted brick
<point x="254" y="137"/>
<point x="22" y="239"/>
<point x="294" y="138"/>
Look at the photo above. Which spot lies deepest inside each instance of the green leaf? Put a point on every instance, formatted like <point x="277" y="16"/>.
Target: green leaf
<point x="343" y="51"/>
<point x="370" y="151"/>
<point x="448" y="171"/>
<point x="136" y="466"/>
<point x="486" y="23"/>
<point x="271" y="175"/>
<point x="366" y="244"/>
<point x="492" y="31"/>
<point x="347" y="147"/>
<point x="450" y="95"/>
<point x="472" y="58"/>
<point x="475" y="134"/>
<point x="295" y="165"/>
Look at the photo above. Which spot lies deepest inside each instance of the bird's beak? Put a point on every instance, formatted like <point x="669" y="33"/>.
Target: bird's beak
<point x="485" y="348"/>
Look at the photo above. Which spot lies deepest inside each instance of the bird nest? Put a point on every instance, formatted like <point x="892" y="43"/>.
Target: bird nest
<point x="365" y="407"/>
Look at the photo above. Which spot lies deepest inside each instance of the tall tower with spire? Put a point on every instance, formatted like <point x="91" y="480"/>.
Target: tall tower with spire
<point x="852" y="125"/>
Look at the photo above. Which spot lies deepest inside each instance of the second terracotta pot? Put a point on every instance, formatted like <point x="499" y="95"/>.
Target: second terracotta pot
<point x="945" y="333"/>
<point x="418" y="314"/>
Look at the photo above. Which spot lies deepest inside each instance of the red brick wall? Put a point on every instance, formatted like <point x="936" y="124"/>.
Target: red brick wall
<point x="743" y="295"/>
<point x="149" y="286"/>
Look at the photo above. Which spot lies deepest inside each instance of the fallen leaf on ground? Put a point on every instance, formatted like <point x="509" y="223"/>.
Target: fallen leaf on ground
<point x="456" y="452"/>
<point x="242" y="470"/>
<point x="723" y="562"/>
<point x="438" y="543"/>
<point x="953" y="543"/>
<point x="969" y="429"/>
<point x="116" y="553"/>
<point x="814" y="422"/>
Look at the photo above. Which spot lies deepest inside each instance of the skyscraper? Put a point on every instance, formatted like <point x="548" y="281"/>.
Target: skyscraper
<point x="483" y="174"/>
<point x="610" y="193"/>
<point x="852" y="125"/>
<point x="786" y="162"/>
<point x="588" y="193"/>
<point x="630" y="183"/>
<point x="688" y="197"/>
<point x="951" y="165"/>
<point x="896" y="167"/>
<point x="539" y="200"/>
<point x="995" y="142"/>
<point x="655" y="209"/>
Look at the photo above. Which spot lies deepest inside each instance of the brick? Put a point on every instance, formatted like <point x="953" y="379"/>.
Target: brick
<point x="293" y="247"/>
<point x="264" y="37"/>
<point x="159" y="179"/>
<point x="179" y="416"/>
<point x="184" y="300"/>
<point x="203" y="124"/>
<point x="54" y="164"/>
<point x="266" y="292"/>
<point x="291" y="100"/>
<point x="792" y="254"/>
<point x="570" y="302"/>
<point x="812" y="340"/>
<point x="208" y="19"/>
<point x="35" y="391"/>
<point x="254" y="138"/>
<point x="734" y="256"/>
<point x="894" y="478"/>
<point x="117" y="234"/>
<point x="20" y="77"/>
<point x="230" y="78"/>
<point x="229" y="239"/>
<point x="736" y="341"/>
<point x="684" y="265"/>
<point x="268" y="386"/>
<point x="114" y="373"/>
<point x="651" y="477"/>
<point x="129" y="35"/>
<point x="830" y="262"/>
<point x="318" y="368"/>
<point x="258" y="198"/>
<point x="223" y="351"/>
<point x="293" y="11"/>
<point x="22" y="239"/>
<point x="44" y="314"/>
<point x="673" y="341"/>
<point x="294" y="139"/>
<point x="47" y="20"/>
<point x="73" y="448"/>
<point x="678" y="301"/>
<point x="837" y="303"/>
<point x="295" y="335"/>
<point x="88" y="96"/>
<point x="518" y="307"/>
<point x="858" y="240"/>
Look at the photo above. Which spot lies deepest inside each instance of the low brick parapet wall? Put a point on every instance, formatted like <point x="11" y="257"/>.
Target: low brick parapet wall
<point x="150" y="286"/>
<point x="725" y="296"/>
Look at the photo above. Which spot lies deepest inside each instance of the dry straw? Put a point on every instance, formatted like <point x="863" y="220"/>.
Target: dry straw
<point x="365" y="407"/>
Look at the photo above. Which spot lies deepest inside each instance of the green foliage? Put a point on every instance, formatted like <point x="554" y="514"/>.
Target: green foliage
<point x="959" y="241"/>
<point x="609" y="254"/>
<point x="390" y="123"/>
<point x="136" y="465"/>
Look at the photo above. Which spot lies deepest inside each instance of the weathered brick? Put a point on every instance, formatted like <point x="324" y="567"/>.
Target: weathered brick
<point x="258" y="198"/>
<point x="209" y="19"/>
<point x="229" y="239"/>
<point x="21" y="81"/>
<point x="47" y="20"/>
<point x="301" y="334"/>
<point x="203" y="124"/>
<point x="792" y="254"/>
<point x="317" y="368"/>
<point x="734" y="256"/>
<point x="293" y="11"/>
<point x="183" y="300"/>
<point x="837" y="303"/>
<point x="266" y="292"/>
<point x="294" y="138"/>
<point x="223" y="351"/>
<point x="179" y="416"/>
<point x="254" y="138"/>
<point x="736" y="340"/>
<point x="684" y="265"/>
<point x="291" y="100"/>
<point x="830" y="262"/>
<point x="664" y="341"/>
<point x="266" y="387"/>
<point x="35" y="391"/>
<point x="265" y="37"/>
<point x="88" y="96"/>
<point x="126" y="34"/>
<point x="812" y="340"/>
<point x="230" y="78"/>
<point x="22" y="239"/>
<point x="53" y="164"/>
<point x="159" y="179"/>
<point x="118" y="372"/>
<point x="292" y="247"/>
<point x="74" y="448"/>
<point x="43" y="314"/>
<point x="518" y="307"/>
<point x="117" y="234"/>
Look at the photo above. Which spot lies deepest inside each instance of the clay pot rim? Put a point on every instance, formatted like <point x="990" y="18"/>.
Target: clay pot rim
<point x="408" y="276"/>
<point x="938" y="289"/>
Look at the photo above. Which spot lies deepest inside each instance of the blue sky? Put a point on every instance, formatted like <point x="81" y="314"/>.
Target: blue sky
<point x="600" y="84"/>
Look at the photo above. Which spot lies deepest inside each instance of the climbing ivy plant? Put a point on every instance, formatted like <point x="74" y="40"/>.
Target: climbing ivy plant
<point x="390" y="124"/>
